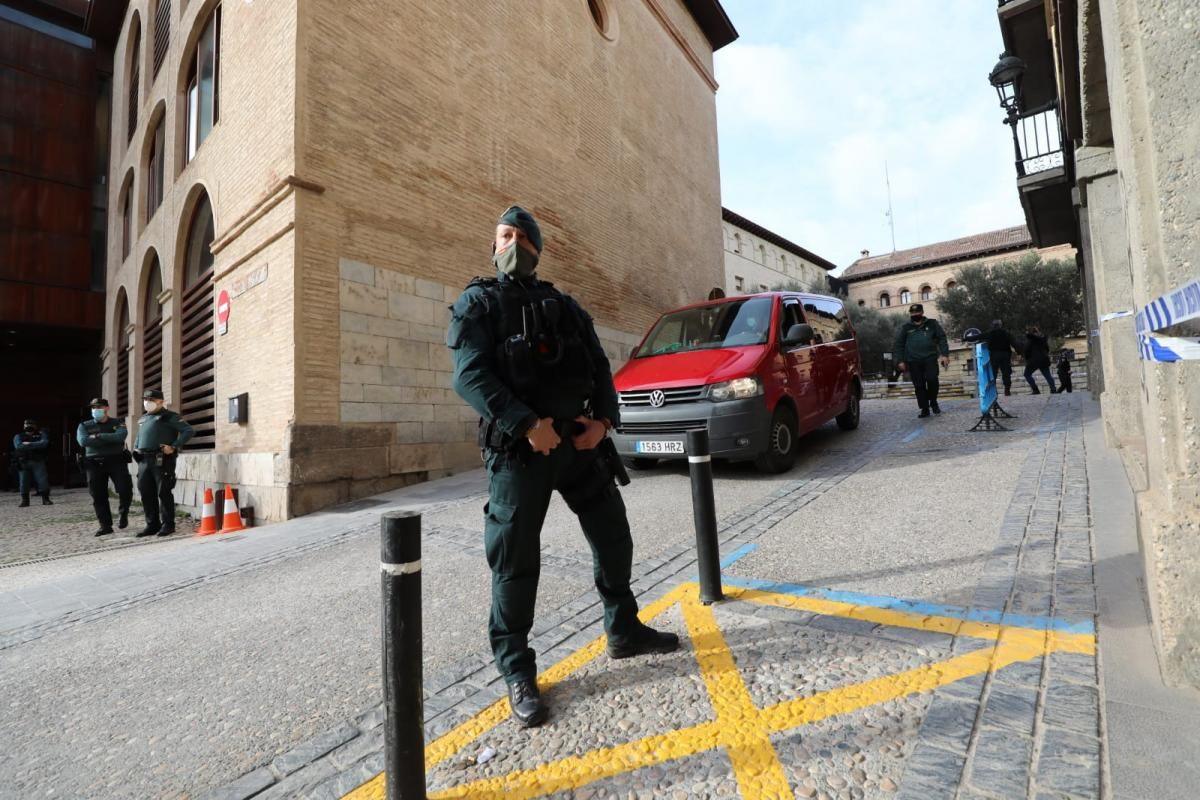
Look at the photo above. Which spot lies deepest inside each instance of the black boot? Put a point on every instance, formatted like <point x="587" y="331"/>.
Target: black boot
<point x="149" y="530"/>
<point x="24" y="500"/>
<point x="103" y="532"/>
<point x="123" y="521"/>
<point x="167" y="531"/>
<point x="526" y="702"/>
<point x="924" y="413"/>
<point x="935" y="407"/>
<point x="46" y="498"/>
<point x="643" y="641"/>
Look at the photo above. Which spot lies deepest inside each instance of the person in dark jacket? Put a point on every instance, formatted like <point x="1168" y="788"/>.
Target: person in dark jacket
<point x="1000" y="347"/>
<point x="103" y="441"/>
<point x="919" y="342"/>
<point x="30" y="448"/>
<point x="1064" y="373"/>
<point x="528" y="360"/>
<point x="1037" y="358"/>
<point x="161" y="432"/>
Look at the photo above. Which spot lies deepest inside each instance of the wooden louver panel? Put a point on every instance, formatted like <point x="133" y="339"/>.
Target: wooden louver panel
<point x="197" y="368"/>
<point x="123" y="381"/>
<point x="162" y="33"/>
<point x="132" y="99"/>
<point x="152" y="355"/>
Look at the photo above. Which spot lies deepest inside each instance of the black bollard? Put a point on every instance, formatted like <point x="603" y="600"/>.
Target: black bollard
<point x="704" y="511"/>
<point x="403" y="703"/>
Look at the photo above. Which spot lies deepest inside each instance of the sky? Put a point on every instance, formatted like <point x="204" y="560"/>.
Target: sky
<point x="815" y="97"/>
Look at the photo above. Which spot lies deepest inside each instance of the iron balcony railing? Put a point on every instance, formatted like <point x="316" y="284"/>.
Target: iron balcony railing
<point x="1038" y="140"/>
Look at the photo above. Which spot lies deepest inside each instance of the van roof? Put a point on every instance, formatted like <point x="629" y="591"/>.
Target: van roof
<point x="785" y="293"/>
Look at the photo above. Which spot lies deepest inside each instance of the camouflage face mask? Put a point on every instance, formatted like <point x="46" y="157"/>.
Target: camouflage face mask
<point x="515" y="261"/>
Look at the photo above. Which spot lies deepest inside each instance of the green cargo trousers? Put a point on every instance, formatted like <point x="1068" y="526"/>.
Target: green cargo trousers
<point x="519" y="494"/>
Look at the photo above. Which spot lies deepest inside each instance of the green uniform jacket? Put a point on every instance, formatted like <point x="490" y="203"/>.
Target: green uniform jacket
<point x="165" y="427"/>
<point x="100" y="439"/>
<point x="478" y="376"/>
<point x="919" y="342"/>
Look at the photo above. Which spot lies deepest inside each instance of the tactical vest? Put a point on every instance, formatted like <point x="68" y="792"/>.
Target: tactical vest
<point x="101" y="449"/>
<point x="32" y="455"/>
<point x="540" y="342"/>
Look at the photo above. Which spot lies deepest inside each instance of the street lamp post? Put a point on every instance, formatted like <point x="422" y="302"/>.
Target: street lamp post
<point x="1006" y="77"/>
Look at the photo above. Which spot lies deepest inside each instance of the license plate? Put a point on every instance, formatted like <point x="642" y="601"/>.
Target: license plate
<point x="659" y="447"/>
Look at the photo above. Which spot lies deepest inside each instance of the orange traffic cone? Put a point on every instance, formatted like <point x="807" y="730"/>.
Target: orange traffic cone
<point x="208" y="515"/>
<point x="232" y="520"/>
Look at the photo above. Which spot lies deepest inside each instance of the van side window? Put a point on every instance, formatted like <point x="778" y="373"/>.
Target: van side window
<point x="822" y="316"/>
<point x="789" y="317"/>
<point x="838" y="311"/>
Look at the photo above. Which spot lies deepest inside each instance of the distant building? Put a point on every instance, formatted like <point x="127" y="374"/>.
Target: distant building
<point x="757" y="260"/>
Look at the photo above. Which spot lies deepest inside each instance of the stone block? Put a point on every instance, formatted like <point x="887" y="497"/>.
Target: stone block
<point x="416" y="457"/>
<point x="361" y="373"/>
<point x="948" y="723"/>
<point x="385" y="394"/>
<point x="1070" y="763"/>
<point x="311" y="438"/>
<point x="363" y="299"/>
<point x="1011" y="707"/>
<point x="391" y="328"/>
<point x="1072" y="707"/>
<point x="395" y="282"/>
<point x="347" y="464"/>
<point x="361" y="412"/>
<point x="313" y="749"/>
<point x="433" y="334"/>
<point x="410" y="308"/>
<point x="931" y="774"/>
<point x="351" y="392"/>
<point x="1001" y="762"/>
<point x="403" y="353"/>
<point x="441" y="359"/>
<point x="350" y="322"/>
<point x="362" y="348"/>
<point x="430" y="289"/>
<point x="356" y="271"/>
<point x="407" y="412"/>
<point x="408" y="433"/>
<point x="401" y="376"/>
<point x="443" y="432"/>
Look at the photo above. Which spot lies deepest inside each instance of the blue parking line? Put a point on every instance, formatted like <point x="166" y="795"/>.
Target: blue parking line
<point x="738" y="554"/>
<point x="913" y="607"/>
<point x="913" y="435"/>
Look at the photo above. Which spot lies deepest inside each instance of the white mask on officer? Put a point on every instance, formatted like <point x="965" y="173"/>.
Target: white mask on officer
<point x="150" y="405"/>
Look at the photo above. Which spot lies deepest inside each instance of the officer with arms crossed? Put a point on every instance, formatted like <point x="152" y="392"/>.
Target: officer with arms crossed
<point x="103" y="441"/>
<point x="161" y="432"/>
<point x="30" y="447"/>
<point x="527" y="359"/>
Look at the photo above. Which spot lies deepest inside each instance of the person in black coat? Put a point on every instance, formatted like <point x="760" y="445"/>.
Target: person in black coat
<point x="1037" y="358"/>
<point x="1064" y="373"/>
<point x="1000" y="347"/>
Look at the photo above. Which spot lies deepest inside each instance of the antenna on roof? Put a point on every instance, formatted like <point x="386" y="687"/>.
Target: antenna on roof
<point x="891" y="219"/>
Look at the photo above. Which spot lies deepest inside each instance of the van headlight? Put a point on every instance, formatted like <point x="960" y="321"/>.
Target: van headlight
<point x="736" y="389"/>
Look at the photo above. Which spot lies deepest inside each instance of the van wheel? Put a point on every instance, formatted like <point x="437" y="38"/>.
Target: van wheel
<point x="780" y="454"/>
<point x="848" y="419"/>
<point x="641" y="463"/>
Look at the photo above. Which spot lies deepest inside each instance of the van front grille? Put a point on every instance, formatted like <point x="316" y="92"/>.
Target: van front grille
<point x="662" y="428"/>
<point x="683" y="394"/>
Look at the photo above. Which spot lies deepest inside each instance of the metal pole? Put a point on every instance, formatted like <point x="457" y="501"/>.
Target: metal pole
<point x="404" y="717"/>
<point x="704" y="511"/>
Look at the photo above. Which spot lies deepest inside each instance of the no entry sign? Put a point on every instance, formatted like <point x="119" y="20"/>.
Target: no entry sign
<point x="223" y="311"/>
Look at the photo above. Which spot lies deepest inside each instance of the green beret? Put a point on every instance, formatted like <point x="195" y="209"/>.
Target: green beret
<point x="520" y="218"/>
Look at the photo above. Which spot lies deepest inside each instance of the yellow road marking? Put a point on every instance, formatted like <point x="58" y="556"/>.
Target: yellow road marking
<point x="740" y="728"/>
<point x="755" y="763"/>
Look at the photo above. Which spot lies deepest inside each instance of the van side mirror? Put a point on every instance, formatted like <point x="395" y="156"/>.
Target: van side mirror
<point x="799" y="334"/>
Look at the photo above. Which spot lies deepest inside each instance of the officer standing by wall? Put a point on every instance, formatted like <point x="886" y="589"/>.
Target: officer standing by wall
<point x="527" y="359"/>
<point x="161" y="432"/>
<point x="30" y="448"/>
<point x="919" y="342"/>
<point x="103" y="441"/>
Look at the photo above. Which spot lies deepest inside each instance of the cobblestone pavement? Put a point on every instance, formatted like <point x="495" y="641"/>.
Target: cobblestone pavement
<point x="909" y="615"/>
<point x="63" y="529"/>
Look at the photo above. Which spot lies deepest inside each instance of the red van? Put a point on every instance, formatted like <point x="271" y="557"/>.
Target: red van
<point x="757" y="372"/>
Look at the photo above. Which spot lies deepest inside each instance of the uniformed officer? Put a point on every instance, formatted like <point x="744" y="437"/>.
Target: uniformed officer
<point x="103" y="441"/>
<point x="527" y="359"/>
<point x="30" y="447"/>
<point x="161" y="432"/>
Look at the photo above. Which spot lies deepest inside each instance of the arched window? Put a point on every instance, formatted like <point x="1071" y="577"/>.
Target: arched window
<point x="885" y="300"/>
<point x="905" y="297"/>
<point x="862" y="303"/>
<point x="127" y="216"/>
<point x="926" y="292"/>
<point x="737" y="243"/>
<point x="122" y="347"/>
<point x="154" y="169"/>
<point x="950" y="284"/>
<point x="132" y="84"/>
<point x="197" y="366"/>
<point x="201" y="89"/>
<point x="762" y="254"/>
<point x="152" y="337"/>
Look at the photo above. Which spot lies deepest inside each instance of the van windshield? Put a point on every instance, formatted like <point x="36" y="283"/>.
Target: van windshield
<point x="733" y="324"/>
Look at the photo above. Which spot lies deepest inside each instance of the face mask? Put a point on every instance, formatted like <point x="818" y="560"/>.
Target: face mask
<point x="150" y="405"/>
<point x="917" y="318"/>
<point x="516" y="261"/>
<point x="30" y="429"/>
<point x="97" y="414"/>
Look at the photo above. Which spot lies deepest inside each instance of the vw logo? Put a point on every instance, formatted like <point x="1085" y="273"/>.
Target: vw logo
<point x="657" y="398"/>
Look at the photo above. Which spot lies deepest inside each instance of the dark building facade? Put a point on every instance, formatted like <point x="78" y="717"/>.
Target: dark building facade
<point x="55" y="80"/>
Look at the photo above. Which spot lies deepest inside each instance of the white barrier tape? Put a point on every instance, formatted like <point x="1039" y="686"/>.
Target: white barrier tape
<point x="1174" y="307"/>
<point x="1116" y="315"/>
<point x="407" y="568"/>
<point x="699" y="459"/>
